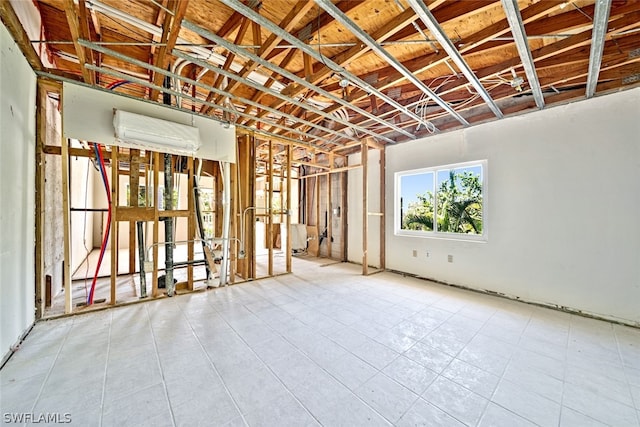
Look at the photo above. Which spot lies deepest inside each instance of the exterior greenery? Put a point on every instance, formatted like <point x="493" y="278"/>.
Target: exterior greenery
<point x="458" y="201"/>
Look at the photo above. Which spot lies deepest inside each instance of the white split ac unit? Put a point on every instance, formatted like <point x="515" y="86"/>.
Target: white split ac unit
<point x="148" y="133"/>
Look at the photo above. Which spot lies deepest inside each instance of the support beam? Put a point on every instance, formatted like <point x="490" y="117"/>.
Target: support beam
<point x="520" y="38"/>
<point x="206" y="109"/>
<point x="383" y="217"/>
<point x="329" y="211"/>
<point x="288" y="204"/>
<point x="114" y="223"/>
<point x="434" y="27"/>
<point x="240" y="51"/>
<point x="269" y="212"/>
<point x="298" y="11"/>
<point x="134" y="182"/>
<point x="66" y="227"/>
<point x="383" y="53"/>
<point x="191" y="221"/>
<point x="156" y="223"/>
<point x="344" y="209"/>
<point x="599" y="32"/>
<point x="74" y="27"/>
<point x="41" y="135"/>
<point x="170" y="32"/>
<point x="364" y="160"/>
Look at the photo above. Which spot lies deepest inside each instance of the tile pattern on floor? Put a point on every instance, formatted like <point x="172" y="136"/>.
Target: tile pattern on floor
<point x="326" y="346"/>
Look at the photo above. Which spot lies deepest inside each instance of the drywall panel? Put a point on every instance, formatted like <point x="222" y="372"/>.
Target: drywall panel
<point x="17" y="193"/>
<point x="87" y="114"/>
<point x="355" y="210"/>
<point x="563" y="202"/>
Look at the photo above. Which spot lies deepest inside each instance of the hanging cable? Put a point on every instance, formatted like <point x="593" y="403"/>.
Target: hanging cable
<point x="84" y="231"/>
<point x="105" y="239"/>
<point x="105" y="180"/>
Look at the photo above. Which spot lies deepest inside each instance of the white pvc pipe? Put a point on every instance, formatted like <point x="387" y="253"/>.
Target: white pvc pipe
<point x="226" y="221"/>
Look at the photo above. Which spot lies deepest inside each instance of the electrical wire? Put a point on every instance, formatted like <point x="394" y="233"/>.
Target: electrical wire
<point x="105" y="180"/>
<point x="105" y="239"/>
<point x="84" y="231"/>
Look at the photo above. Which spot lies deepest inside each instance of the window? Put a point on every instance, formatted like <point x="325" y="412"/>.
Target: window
<point x="445" y="201"/>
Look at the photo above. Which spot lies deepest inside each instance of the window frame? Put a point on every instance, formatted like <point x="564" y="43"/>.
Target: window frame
<point x="435" y="234"/>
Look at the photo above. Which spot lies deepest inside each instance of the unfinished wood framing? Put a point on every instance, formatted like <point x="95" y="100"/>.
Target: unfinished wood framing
<point x="288" y="204"/>
<point x="114" y="225"/>
<point x="382" y="208"/>
<point x="156" y="225"/>
<point x="344" y="210"/>
<point x="134" y="182"/>
<point x="41" y="131"/>
<point x="191" y="221"/>
<point x="66" y="225"/>
<point x="269" y="217"/>
<point x="364" y="160"/>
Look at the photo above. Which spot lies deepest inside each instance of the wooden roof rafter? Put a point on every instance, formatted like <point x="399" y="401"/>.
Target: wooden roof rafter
<point x="170" y="31"/>
<point x="79" y="31"/>
<point x="389" y="77"/>
<point x="298" y="94"/>
<point x="299" y="10"/>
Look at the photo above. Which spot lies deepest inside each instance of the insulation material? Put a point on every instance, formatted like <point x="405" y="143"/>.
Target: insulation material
<point x="298" y="237"/>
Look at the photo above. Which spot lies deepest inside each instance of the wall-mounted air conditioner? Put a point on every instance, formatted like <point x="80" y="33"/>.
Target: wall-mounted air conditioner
<point x="148" y="133"/>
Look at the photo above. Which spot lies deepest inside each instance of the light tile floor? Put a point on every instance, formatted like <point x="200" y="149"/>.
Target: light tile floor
<point x="326" y="346"/>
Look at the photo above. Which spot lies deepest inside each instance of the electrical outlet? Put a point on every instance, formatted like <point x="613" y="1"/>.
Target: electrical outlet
<point x="415" y="253"/>
<point x="428" y="254"/>
<point x="450" y="258"/>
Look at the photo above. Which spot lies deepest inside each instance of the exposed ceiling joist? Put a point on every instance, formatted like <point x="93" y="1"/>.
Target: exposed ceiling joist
<point x="373" y="45"/>
<point x="74" y="26"/>
<point x="520" y="37"/>
<point x="299" y="76"/>
<point x="600" y="22"/>
<point x="263" y="62"/>
<point x="172" y="27"/>
<point x="434" y="27"/>
<point x="305" y="48"/>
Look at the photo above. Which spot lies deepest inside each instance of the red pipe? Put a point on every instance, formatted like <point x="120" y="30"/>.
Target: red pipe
<point x="105" y="239"/>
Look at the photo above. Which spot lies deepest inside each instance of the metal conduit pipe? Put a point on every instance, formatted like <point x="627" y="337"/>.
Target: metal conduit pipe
<point x="168" y="224"/>
<point x="168" y="205"/>
<point x="225" y="169"/>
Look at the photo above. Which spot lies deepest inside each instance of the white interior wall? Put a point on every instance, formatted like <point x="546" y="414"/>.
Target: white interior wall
<point x="354" y="211"/>
<point x="563" y="202"/>
<point x="17" y="192"/>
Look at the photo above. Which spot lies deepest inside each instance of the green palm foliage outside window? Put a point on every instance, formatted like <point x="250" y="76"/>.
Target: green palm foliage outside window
<point x="454" y="195"/>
